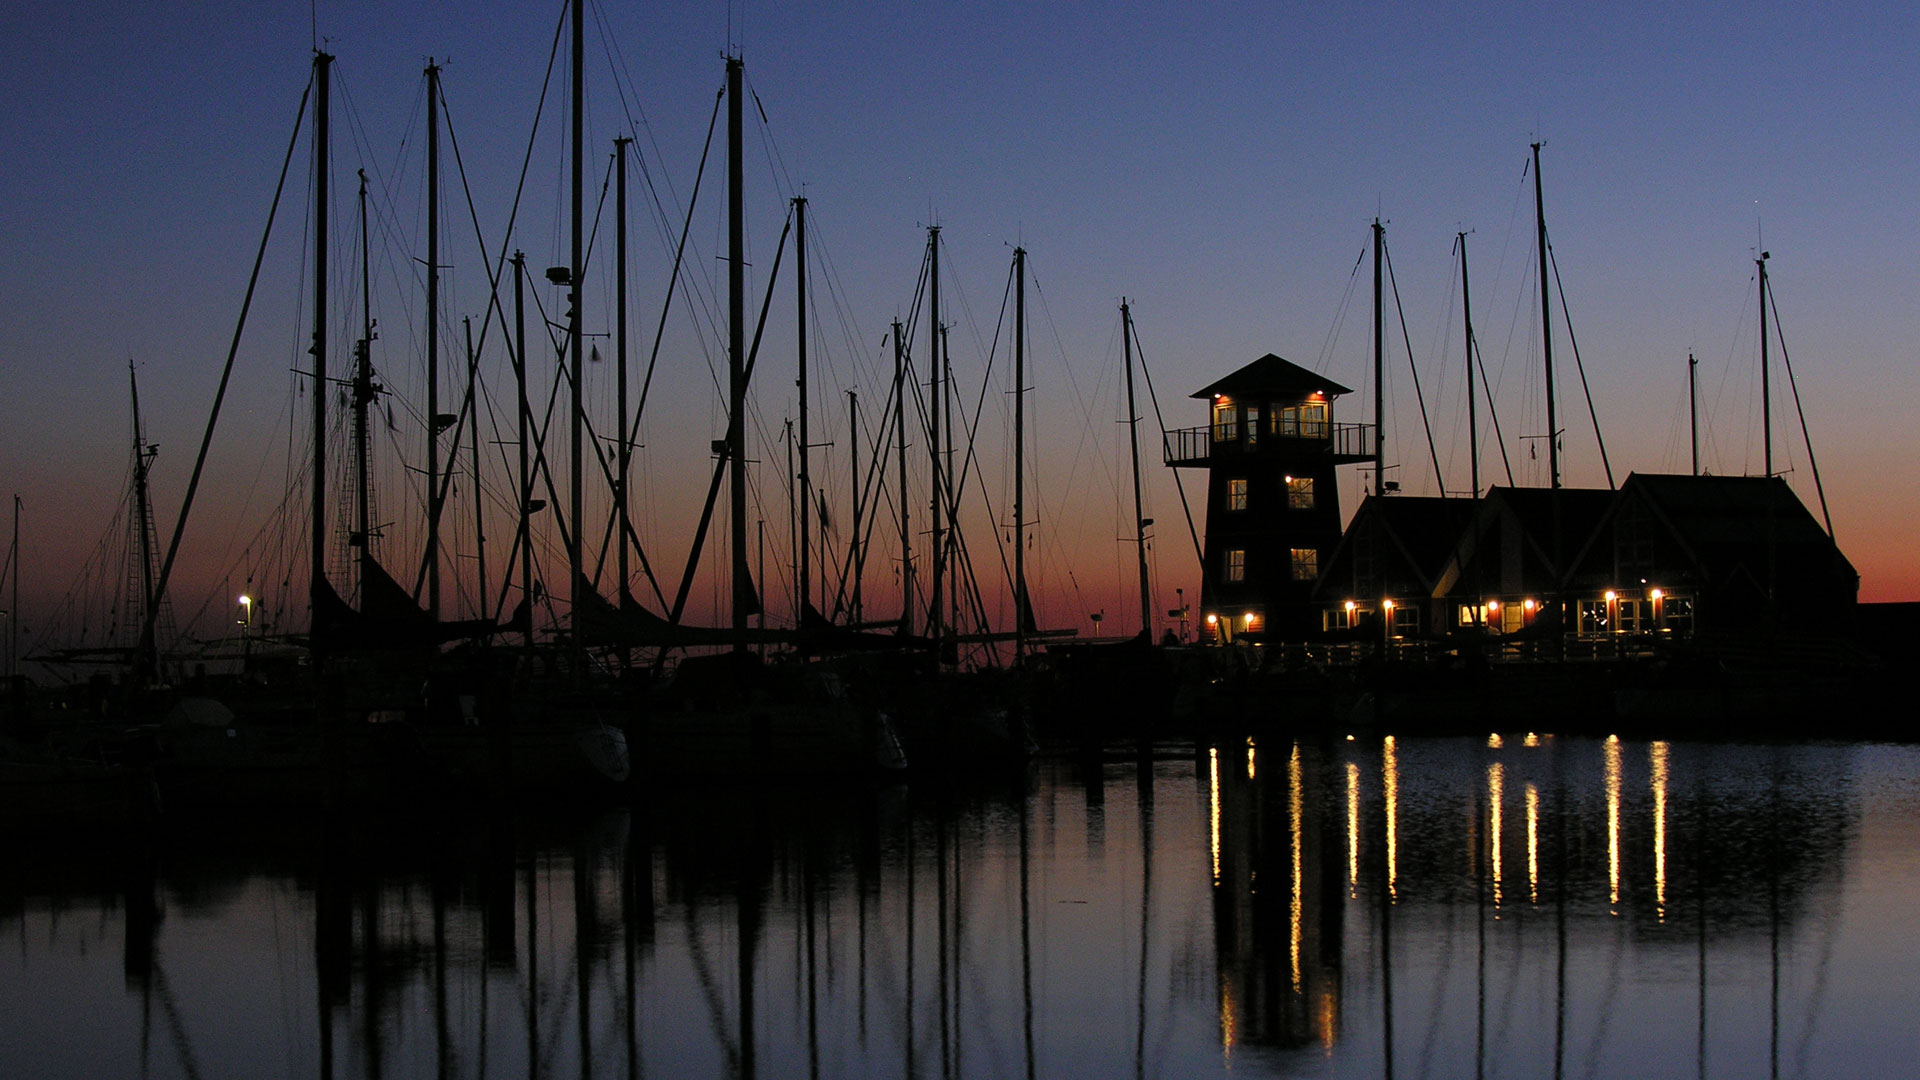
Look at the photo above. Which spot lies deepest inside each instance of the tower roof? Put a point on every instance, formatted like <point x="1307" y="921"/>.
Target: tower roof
<point x="1272" y="375"/>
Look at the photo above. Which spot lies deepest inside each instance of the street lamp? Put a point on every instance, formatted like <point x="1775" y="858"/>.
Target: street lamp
<point x="246" y="620"/>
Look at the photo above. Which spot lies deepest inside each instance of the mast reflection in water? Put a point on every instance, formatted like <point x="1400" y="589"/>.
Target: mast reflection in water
<point x="1337" y="908"/>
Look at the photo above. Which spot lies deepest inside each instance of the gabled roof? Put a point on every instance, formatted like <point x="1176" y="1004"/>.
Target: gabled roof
<point x="1581" y="510"/>
<point x="1726" y="521"/>
<point x="1532" y="509"/>
<point x="1272" y="375"/>
<point x="1423" y="529"/>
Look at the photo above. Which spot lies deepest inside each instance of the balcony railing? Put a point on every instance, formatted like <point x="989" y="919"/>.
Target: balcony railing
<point x="1196" y="446"/>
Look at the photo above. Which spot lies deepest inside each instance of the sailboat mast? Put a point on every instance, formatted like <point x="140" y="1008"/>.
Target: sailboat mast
<point x="473" y="451"/>
<point x="1019" y="455"/>
<point x="1379" y="370"/>
<point x="1473" y="414"/>
<point x="900" y="436"/>
<point x="853" y="460"/>
<point x="577" y="581"/>
<point x="736" y="359"/>
<point x="800" y="331"/>
<point x="795" y="537"/>
<point x="524" y="491"/>
<point x="621" y="479"/>
<point x="434" y="496"/>
<point x="322" y="71"/>
<point x="13" y="611"/>
<point x="934" y="619"/>
<point x="1766" y="385"/>
<point x="1546" y="322"/>
<point x="362" y="398"/>
<point x="145" y="663"/>
<point x="1133" y="439"/>
<point x="1693" y="412"/>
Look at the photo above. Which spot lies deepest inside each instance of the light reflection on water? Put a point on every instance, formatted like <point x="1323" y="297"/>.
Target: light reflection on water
<point x="1691" y="910"/>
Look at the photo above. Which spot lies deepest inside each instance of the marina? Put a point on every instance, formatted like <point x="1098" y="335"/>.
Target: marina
<point x="598" y="556"/>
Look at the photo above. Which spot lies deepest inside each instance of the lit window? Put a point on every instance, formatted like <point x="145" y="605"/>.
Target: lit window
<point x="1306" y="564"/>
<point x="1299" y="492"/>
<point x="1308" y="421"/>
<point x="1236" y="564"/>
<point x="1253" y="425"/>
<point x="1236" y="494"/>
<point x="1226" y="421"/>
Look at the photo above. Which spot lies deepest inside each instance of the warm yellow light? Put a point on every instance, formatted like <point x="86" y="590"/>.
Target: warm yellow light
<point x="1248" y="617"/>
<point x="1212" y="620"/>
<point x="1529" y="605"/>
<point x="246" y="600"/>
<point x="1349" y="607"/>
<point x="1655" y="594"/>
<point x="1493" y="606"/>
<point x="1288" y="478"/>
<point x="1388" y="604"/>
<point x="1611" y="596"/>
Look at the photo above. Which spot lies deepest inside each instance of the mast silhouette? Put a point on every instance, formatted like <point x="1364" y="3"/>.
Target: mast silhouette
<point x="1473" y="413"/>
<point x="934" y="619"/>
<point x="435" y="493"/>
<point x="473" y="454"/>
<point x="1546" y="322"/>
<point x="577" y="583"/>
<point x="524" y="491"/>
<point x="1019" y="455"/>
<point x="900" y="436"/>
<point x="146" y="659"/>
<point x="736" y="360"/>
<point x="625" y="468"/>
<point x="800" y="332"/>
<point x="1766" y="385"/>
<point x="363" y="394"/>
<point x="1693" y="412"/>
<point x="1133" y="440"/>
<point x="317" y="554"/>
<point x="1379" y="370"/>
<point x="853" y="461"/>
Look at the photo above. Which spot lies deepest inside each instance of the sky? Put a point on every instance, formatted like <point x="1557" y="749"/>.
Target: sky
<point x="1218" y="166"/>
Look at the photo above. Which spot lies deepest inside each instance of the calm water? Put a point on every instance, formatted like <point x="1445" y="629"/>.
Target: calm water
<point x="1416" y="908"/>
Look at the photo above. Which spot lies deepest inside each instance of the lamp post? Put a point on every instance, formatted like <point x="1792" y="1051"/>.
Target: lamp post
<point x="246" y="620"/>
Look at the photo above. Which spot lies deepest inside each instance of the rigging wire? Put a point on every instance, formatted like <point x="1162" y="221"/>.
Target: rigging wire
<point x="1419" y="395"/>
<point x="1567" y="317"/>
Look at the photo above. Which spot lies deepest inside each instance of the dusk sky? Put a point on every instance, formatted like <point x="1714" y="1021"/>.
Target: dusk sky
<point x="1218" y="165"/>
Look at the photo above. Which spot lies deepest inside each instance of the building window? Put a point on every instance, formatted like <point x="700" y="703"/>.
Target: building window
<point x="1676" y="615"/>
<point x="1406" y="620"/>
<point x="1253" y="425"/>
<point x="1593" y="618"/>
<point x="1306" y="421"/>
<point x="1299" y="492"/>
<point x="1236" y="568"/>
<point x="1236" y="494"/>
<point x="1306" y="564"/>
<point x="1226" y="421"/>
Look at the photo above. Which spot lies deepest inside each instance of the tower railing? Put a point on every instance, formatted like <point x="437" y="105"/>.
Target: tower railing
<point x="1197" y="446"/>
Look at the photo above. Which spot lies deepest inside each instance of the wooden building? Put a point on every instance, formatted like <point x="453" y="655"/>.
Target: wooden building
<point x="1391" y="559"/>
<point x="1720" y="555"/>
<point x="1273" y="503"/>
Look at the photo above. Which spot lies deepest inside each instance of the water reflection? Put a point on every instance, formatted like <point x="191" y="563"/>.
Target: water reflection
<point x="1335" y="907"/>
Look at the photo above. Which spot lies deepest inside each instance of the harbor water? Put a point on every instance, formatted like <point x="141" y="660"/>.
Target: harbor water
<point x="1511" y="905"/>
